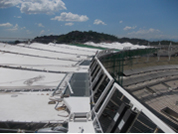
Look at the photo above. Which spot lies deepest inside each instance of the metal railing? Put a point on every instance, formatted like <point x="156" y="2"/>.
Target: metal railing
<point x="133" y="102"/>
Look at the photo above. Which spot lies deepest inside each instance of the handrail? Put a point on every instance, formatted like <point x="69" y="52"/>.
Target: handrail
<point x="136" y="104"/>
<point x="60" y="84"/>
<point x="70" y="88"/>
<point x="147" y="112"/>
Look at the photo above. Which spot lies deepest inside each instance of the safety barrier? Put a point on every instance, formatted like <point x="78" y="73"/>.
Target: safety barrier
<point x="116" y="110"/>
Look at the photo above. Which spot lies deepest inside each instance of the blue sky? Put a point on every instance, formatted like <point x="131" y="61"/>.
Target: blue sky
<point x="146" y="19"/>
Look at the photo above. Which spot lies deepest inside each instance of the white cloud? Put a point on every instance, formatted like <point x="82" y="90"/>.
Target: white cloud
<point x="69" y="24"/>
<point x="129" y="28"/>
<point x="42" y="32"/>
<point x="70" y="17"/>
<point x="9" y="3"/>
<point x="23" y="28"/>
<point x="15" y="28"/>
<point x="6" y="25"/>
<point x="151" y="30"/>
<point x="97" y="22"/>
<point x="19" y="17"/>
<point x="40" y="25"/>
<point x="42" y="6"/>
<point x="150" y="33"/>
<point x="121" y="21"/>
<point x="35" y="6"/>
<point x="28" y="31"/>
<point x="143" y="31"/>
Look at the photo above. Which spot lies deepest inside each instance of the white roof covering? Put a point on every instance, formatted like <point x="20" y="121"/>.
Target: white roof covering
<point x="14" y="79"/>
<point x="43" y="57"/>
<point x="28" y="107"/>
<point x="78" y="104"/>
<point x="35" y="62"/>
<point x="115" y="45"/>
<point x="33" y="106"/>
<point x="39" y="57"/>
<point x="56" y="53"/>
<point x="65" y="48"/>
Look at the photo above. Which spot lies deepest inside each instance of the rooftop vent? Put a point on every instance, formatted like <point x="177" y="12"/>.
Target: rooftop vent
<point x="79" y="117"/>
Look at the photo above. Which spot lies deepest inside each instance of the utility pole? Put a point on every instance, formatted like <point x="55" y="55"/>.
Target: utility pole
<point x="169" y="51"/>
<point x="29" y="41"/>
<point x="148" y="53"/>
<point x="159" y="51"/>
<point x="54" y="42"/>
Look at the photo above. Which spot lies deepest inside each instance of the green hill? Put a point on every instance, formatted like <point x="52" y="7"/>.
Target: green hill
<point x="78" y="37"/>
